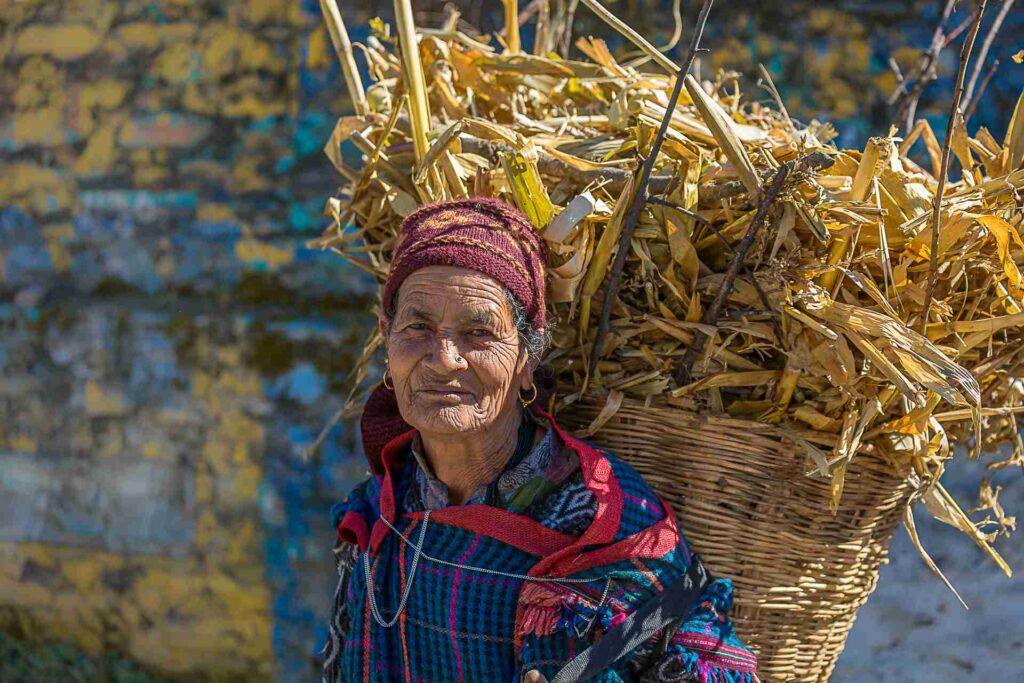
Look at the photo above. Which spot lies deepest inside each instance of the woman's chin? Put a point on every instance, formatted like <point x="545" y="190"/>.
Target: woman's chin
<point x="451" y="419"/>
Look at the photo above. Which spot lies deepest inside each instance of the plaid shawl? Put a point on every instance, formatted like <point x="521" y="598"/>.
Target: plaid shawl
<point x="465" y="625"/>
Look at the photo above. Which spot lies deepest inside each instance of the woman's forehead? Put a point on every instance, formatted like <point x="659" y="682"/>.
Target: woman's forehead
<point x="460" y="291"/>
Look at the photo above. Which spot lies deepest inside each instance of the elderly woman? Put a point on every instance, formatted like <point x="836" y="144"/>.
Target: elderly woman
<point x="489" y="544"/>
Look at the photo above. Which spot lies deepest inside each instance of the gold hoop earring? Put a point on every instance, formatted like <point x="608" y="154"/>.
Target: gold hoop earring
<point x="528" y="401"/>
<point x="384" y="381"/>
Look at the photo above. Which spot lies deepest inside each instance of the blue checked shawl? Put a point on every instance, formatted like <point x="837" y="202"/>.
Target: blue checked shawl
<point x="463" y="625"/>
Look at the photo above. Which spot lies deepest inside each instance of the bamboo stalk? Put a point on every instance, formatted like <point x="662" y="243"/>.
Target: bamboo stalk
<point x="973" y="103"/>
<point x="412" y="70"/>
<point x="343" y="48"/>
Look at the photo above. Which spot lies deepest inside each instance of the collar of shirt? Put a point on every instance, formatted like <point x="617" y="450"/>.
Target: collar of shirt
<point x="522" y="481"/>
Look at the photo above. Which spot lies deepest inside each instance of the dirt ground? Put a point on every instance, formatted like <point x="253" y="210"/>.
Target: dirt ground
<point x="913" y="629"/>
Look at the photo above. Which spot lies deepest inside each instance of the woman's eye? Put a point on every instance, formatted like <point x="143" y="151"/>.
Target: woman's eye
<point x="480" y="332"/>
<point x="416" y="326"/>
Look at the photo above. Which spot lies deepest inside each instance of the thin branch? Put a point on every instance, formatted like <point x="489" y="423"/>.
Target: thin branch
<point x="894" y="65"/>
<point x="986" y="45"/>
<point x="684" y="371"/>
<point x="933" y="268"/>
<point x="565" y="40"/>
<point x="929" y="73"/>
<point x="725" y="243"/>
<point x="527" y="12"/>
<point x="981" y="91"/>
<point x="925" y="60"/>
<point x="640" y="197"/>
<point x="960" y="28"/>
<point x="904" y="97"/>
<point x="813" y="161"/>
<point x="933" y="74"/>
<point x="686" y="212"/>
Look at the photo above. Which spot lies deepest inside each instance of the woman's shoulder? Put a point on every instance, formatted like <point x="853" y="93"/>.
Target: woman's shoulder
<point x="362" y="502"/>
<point x="642" y="507"/>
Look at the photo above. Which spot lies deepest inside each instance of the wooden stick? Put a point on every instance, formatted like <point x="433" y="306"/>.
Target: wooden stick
<point x="906" y="100"/>
<point x="986" y="45"/>
<point x="816" y="160"/>
<point x="725" y="243"/>
<point x="684" y="371"/>
<point x="527" y="12"/>
<point x="932" y="75"/>
<point x="973" y="104"/>
<point x="412" y="69"/>
<point x="343" y="48"/>
<point x="933" y="268"/>
<point x="640" y="197"/>
<point x="692" y="214"/>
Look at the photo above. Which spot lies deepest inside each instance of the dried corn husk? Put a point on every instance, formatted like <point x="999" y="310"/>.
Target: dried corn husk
<point x="819" y="328"/>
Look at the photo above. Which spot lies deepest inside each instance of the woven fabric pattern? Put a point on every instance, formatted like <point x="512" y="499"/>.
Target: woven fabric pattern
<point x="461" y="625"/>
<point x="479" y="233"/>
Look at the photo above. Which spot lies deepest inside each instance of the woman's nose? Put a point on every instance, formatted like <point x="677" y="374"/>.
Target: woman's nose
<point x="448" y="355"/>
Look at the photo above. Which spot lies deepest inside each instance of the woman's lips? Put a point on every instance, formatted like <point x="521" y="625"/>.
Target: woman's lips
<point x="451" y="393"/>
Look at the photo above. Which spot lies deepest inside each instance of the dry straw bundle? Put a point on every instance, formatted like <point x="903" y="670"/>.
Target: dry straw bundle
<point x="768" y="283"/>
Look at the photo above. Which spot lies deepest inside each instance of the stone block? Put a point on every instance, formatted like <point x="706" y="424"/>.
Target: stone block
<point x="139" y="506"/>
<point x="60" y="41"/>
<point x="164" y="129"/>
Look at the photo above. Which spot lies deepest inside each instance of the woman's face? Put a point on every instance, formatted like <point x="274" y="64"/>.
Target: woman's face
<point x="454" y="352"/>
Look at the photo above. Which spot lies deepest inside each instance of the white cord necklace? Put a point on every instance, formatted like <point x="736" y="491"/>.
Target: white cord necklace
<point x="408" y="583"/>
<point x="418" y="552"/>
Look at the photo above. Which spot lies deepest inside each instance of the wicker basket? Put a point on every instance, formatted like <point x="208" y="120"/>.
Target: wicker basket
<point x="746" y="504"/>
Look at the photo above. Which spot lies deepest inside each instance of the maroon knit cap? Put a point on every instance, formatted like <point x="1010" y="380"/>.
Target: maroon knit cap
<point x="480" y="233"/>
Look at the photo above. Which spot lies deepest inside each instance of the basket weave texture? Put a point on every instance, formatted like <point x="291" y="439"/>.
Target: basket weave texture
<point x="746" y="505"/>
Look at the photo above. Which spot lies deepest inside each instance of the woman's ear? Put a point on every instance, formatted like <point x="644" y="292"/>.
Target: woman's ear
<point x="527" y="373"/>
<point x="382" y="326"/>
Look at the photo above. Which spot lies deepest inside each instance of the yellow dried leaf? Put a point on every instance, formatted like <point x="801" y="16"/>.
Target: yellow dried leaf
<point x="1003" y="232"/>
<point x="721" y="127"/>
<point x="527" y="187"/>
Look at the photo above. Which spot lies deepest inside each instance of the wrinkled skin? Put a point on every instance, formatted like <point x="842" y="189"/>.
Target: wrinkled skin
<point x="458" y="366"/>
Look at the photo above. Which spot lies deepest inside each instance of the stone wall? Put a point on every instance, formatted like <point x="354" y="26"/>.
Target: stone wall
<point x="167" y="344"/>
